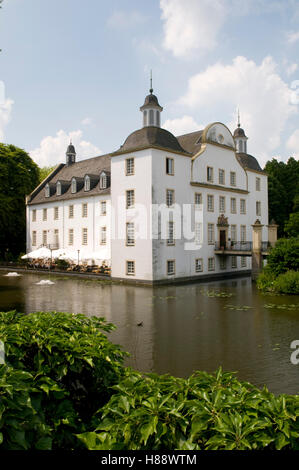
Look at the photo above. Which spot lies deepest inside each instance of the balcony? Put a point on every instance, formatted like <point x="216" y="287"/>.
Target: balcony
<point x="233" y="248"/>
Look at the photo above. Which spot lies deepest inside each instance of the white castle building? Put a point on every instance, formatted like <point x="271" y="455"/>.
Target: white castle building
<point x="160" y="208"/>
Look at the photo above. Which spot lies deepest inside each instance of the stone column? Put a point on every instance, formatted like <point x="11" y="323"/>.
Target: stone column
<point x="257" y="260"/>
<point x="272" y="232"/>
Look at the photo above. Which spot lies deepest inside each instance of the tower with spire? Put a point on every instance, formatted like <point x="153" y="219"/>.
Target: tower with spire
<point x="70" y="154"/>
<point x="240" y="138"/>
<point x="151" y="109"/>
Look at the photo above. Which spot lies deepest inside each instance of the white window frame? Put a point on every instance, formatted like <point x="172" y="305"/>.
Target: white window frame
<point x="71" y="237"/>
<point x="242" y="206"/>
<point x="233" y="178"/>
<point x="56" y="212"/>
<point x="169" y="197"/>
<point x="130" y="198"/>
<point x="233" y="205"/>
<point x="198" y="265"/>
<point x="211" y="263"/>
<point x="103" y="240"/>
<point x="222" y="204"/>
<point x="130" y="166"/>
<point x="258" y="208"/>
<point x="103" y="207"/>
<point x="84" y="209"/>
<point x="170" y="272"/>
<point x="71" y="211"/>
<point x="130" y="234"/>
<point x="130" y="268"/>
<point x="221" y="176"/>
<point x="210" y="174"/>
<point x="211" y="234"/>
<point x="34" y="238"/>
<point x="210" y="202"/>
<point x="84" y="236"/>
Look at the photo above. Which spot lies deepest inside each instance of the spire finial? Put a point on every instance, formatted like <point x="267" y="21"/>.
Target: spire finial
<point x="239" y="118"/>
<point x="151" y="82"/>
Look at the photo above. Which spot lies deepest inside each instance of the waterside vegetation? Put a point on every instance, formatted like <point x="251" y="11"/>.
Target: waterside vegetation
<point x="64" y="386"/>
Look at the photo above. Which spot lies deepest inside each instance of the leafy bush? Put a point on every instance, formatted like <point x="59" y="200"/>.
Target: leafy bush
<point x="287" y="283"/>
<point x="72" y="364"/>
<point x="22" y="423"/>
<point x="266" y="280"/>
<point x="284" y="256"/>
<point x="203" y="412"/>
<point x="61" y="263"/>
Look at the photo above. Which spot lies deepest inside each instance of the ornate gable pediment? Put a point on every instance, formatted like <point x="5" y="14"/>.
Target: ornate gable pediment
<point x="222" y="221"/>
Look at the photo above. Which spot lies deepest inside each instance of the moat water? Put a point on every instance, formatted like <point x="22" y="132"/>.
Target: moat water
<point x="198" y="326"/>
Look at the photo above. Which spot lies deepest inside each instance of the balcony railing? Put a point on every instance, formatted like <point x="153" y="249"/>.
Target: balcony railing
<point x="233" y="246"/>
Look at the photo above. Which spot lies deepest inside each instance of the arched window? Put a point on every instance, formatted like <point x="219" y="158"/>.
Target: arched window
<point x="144" y="118"/>
<point x="87" y="183"/>
<point x="151" y="117"/>
<point x="240" y="146"/>
<point x="47" y="190"/>
<point x="158" y="118"/>
<point x="103" y="180"/>
<point x="58" y="188"/>
<point x="74" y="186"/>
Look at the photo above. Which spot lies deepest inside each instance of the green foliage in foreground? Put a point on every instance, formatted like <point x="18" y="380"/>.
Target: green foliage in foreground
<point x="68" y="365"/>
<point x="202" y="412"/>
<point x="64" y="387"/>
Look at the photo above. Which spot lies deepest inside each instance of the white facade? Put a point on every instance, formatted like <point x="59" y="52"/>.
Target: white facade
<point x="150" y="240"/>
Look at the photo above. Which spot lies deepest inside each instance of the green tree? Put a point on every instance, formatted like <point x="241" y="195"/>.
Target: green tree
<point x="292" y="225"/>
<point x="283" y="190"/>
<point x="284" y="256"/>
<point x="19" y="175"/>
<point x="44" y="172"/>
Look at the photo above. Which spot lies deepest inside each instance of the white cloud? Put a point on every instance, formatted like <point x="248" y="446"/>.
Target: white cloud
<point x="5" y="115"/>
<point x="191" y="25"/>
<point x="292" y="37"/>
<point x="86" y="121"/>
<point x="125" y="19"/>
<point x="263" y="97"/>
<point x="52" y="149"/>
<point x="293" y="144"/>
<point x="291" y="69"/>
<point x="182" y="125"/>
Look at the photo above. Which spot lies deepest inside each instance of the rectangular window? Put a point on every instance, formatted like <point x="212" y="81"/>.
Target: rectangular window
<point x="130" y="234"/>
<point x="242" y="206"/>
<point x="84" y="236"/>
<point x="56" y="237"/>
<point x="210" y="199"/>
<point x="103" y="208"/>
<point x="233" y="205"/>
<point x="170" y="267"/>
<point x="210" y="174"/>
<point x="222" y="262"/>
<point x="34" y="215"/>
<point x="221" y="176"/>
<point x="198" y="233"/>
<point x="169" y="166"/>
<point x="44" y="237"/>
<point x="233" y="180"/>
<point x="130" y="166"/>
<point x="71" y="236"/>
<point x="243" y="262"/>
<point x="130" y="268"/>
<point x="103" y="236"/>
<point x="44" y="214"/>
<point x="71" y="212"/>
<point x="221" y="204"/>
<point x="233" y="233"/>
<point x="258" y="208"/>
<point x="170" y="233"/>
<point x="243" y="233"/>
<point x="130" y="198"/>
<point x="258" y="184"/>
<point x="169" y="197"/>
<point x="211" y="264"/>
<point x="198" y="265"/>
<point x="34" y="238"/>
<point x="84" y="209"/>
<point x="56" y="213"/>
<point x="211" y="234"/>
<point x="197" y="200"/>
<point x="234" y="261"/>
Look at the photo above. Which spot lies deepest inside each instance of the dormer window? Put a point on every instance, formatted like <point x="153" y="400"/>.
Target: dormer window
<point x="87" y="183"/>
<point x="47" y="190"/>
<point x="58" y="188"/>
<point x="74" y="186"/>
<point x="103" y="181"/>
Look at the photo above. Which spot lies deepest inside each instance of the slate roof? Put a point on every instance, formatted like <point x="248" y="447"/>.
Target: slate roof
<point x="151" y="136"/>
<point x="78" y="170"/>
<point x="191" y="142"/>
<point x="248" y="161"/>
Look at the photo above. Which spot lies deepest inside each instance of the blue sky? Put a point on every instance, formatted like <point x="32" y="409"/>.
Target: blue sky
<point x="80" y="70"/>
